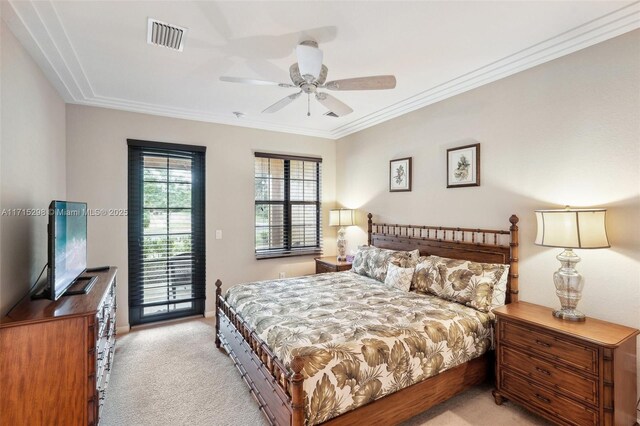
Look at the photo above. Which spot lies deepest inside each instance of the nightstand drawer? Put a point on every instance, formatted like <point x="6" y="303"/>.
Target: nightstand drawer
<point x="584" y="388"/>
<point x="567" y="410"/>
<point x="322" y="268"/>
<point x="576" y="355"/>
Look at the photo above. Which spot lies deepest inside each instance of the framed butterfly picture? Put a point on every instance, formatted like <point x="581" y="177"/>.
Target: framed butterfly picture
<point x="400" y="175"/>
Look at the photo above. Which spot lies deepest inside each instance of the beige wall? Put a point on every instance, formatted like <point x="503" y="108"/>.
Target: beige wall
<point x="32" y="166"/>
<point x="97" y="174"/>
<point x="566" y="132"/>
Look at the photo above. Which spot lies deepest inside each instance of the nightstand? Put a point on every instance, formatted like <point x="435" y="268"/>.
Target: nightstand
<point x="571" y="373"/>
<point x="331" y="264"/>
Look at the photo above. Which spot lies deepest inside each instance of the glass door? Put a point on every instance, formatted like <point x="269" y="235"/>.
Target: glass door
<point x="166" y="232"/>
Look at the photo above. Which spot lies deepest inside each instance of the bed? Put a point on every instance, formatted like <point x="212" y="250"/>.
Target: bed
<point x="340" y="348"/>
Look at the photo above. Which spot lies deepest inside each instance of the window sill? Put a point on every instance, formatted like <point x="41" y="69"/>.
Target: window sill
<point x="279" y="255"/>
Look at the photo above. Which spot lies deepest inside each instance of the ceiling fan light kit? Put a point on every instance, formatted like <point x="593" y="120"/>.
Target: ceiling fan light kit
<point x="309" y="60"/>
<point x="309" y="75"/>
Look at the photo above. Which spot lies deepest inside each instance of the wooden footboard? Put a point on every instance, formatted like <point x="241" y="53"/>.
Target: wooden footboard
<point x="278" y="393"/>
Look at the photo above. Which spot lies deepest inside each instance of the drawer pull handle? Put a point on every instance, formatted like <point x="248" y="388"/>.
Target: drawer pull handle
<point x="543" y="371"/>
<point x="541" y="343"/>
<point x="543" y="399"/>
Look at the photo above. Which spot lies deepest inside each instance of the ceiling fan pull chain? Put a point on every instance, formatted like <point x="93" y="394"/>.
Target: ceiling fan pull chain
<point x="308" y="104"/>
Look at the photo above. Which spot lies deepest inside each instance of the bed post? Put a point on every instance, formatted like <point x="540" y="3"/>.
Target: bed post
<point x="218" y="294"/>
<point x="513" y="260"/>
<point x="369" y="228"/>
<point x="297" y="395"/>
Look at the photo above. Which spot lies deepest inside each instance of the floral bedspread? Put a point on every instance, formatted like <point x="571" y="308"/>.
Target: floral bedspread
<point x="360" y="339"/>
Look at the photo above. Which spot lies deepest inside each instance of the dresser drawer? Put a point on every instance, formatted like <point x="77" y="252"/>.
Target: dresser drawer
<point x="536" y="340"/>
<point x="564" y="408"/>
<point x="581" y="387"/>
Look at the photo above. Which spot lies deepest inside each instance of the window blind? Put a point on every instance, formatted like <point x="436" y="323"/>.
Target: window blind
<point x="166" y="231"/>
<point x="287" y="205"/>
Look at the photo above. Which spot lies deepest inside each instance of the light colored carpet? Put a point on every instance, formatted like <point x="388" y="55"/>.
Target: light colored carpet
<point x="172" y="374"/>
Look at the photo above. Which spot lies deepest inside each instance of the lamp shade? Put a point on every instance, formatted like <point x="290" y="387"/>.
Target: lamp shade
<point x="572" y="228"/>
<point x="341" y="217"/>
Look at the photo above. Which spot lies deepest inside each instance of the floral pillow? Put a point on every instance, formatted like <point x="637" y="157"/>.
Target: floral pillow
<point x="479" y="285"/>
<point x="359" y="264"/>
<point x="373" y="262"/>
<point x="399" y="277"/>
<point x="425" y="275"/>
<point x="414" y="258"/>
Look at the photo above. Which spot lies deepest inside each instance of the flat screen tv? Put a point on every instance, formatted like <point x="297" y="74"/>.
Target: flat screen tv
<point x="67" y="245"/>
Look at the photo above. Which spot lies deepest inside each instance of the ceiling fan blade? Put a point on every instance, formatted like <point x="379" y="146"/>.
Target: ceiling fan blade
<point x="339" y="108"/>
<point x="309" y="59"/>
<point x="282" y="103"/>
<point x="375" y="82"/>
<point x="252" y="81"/>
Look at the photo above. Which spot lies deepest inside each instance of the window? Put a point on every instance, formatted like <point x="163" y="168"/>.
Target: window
<point x="166" y="231"/>
<point x="287" y="194"/>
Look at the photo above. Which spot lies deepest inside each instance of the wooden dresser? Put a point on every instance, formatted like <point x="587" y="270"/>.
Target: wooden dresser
<point x="572" y="373"/>
<point x="55" y="357"/>
<point x="331" y="264"/>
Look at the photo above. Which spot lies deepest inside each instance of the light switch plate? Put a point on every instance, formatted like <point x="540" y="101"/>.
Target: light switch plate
<point x="218" y="234"/>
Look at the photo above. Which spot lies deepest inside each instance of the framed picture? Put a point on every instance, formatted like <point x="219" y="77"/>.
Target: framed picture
<point x="400" y="175"/>
<point x="463" y="166"/>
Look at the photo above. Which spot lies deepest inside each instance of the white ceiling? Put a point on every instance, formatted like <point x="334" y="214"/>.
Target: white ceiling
<point x="95" y="52"/>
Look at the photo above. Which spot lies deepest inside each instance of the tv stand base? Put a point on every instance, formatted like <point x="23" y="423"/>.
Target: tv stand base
<point x="82" y="285"/>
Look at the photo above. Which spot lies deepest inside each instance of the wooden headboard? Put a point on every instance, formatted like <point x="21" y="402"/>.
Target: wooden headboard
<point x="478" y="245"/>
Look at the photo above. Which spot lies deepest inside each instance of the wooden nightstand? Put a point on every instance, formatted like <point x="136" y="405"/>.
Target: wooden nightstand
<point x="331" y="264"/>
<point x="572" y="373"/>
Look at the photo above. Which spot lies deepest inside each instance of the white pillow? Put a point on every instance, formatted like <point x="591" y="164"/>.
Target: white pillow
<point x="399" y="277"/>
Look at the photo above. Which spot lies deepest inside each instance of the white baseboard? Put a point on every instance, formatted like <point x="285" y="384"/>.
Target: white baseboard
<point x="123" y="329"/>
<point x="210" y="314"/>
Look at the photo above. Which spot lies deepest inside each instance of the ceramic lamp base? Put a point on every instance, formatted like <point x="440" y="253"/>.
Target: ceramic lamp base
<point x="342" y="245"/>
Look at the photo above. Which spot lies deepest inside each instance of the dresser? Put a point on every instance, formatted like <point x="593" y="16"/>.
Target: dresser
<point x="331" y="264"/>
<point x="57" y="356"/>
<point x="571" y="373"/>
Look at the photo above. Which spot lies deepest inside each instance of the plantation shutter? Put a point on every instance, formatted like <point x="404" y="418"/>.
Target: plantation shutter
<point x="287" y="205"/>
<point x="166" y="231"/>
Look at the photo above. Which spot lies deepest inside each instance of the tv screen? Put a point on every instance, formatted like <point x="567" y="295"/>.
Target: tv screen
<point x="67" y="245"/>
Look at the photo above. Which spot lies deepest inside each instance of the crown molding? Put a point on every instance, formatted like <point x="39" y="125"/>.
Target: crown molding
<point x="38" y="27"/>
<point x="593" y="32"/>
<point x="189" y="114"/>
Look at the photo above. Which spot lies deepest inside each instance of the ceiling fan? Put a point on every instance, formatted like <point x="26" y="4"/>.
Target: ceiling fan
<point x="309" y="75"/>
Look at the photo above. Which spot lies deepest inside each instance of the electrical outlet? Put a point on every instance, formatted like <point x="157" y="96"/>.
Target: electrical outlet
<point x="218" y="234"/>
<point x="282" y="274"/>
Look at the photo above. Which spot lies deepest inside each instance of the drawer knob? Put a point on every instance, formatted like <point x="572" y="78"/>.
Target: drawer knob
<point x="541" y="343"/>
<point x="543" y="371"/>
<point x="543" y="399"/>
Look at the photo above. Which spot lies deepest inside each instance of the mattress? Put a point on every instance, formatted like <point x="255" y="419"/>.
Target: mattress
<point x="360" y="339"/>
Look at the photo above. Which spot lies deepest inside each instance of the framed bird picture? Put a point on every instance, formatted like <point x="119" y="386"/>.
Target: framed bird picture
<point x="400" y="175"/>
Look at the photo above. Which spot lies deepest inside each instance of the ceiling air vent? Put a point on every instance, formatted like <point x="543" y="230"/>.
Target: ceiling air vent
<point x="331" y="114"/>
<point x="166" y="35"/>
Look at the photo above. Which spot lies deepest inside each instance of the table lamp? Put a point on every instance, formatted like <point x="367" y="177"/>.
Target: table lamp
<point x="341" y="218"/>
<point x="568" y="229"/>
